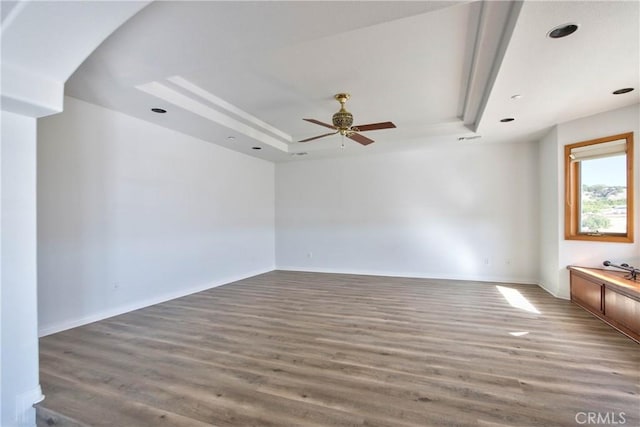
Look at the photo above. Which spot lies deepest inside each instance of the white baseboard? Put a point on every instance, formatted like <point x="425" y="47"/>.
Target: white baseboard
<point x="554" y="294"/>
<point x="417" y="275"/>
<point x="115" y="311"/>
<point x="25" y="412"/>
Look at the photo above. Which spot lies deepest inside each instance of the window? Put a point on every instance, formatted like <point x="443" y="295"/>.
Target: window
<point x="599" y="189"/>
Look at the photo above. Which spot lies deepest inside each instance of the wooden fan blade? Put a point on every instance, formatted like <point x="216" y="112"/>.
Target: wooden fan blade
<point x="318" y="122"/>
<point x="373" y="126"/>
<point x="360" y="139"/>
<point x="318" y="137"/>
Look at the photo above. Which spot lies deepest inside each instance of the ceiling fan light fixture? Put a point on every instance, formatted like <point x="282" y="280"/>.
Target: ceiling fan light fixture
<point x="342" y="119"/>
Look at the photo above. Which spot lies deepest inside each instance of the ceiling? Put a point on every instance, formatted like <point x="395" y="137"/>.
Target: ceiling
<point x="245" y="74"/>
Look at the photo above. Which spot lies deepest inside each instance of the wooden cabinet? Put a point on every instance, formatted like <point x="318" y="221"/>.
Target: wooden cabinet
<point x="609" y="296"/>
<point x="622" y="310"/>
<point x="587" y="292"/>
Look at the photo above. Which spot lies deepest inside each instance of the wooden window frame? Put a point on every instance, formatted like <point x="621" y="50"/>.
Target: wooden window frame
<point x="572" y="194"/>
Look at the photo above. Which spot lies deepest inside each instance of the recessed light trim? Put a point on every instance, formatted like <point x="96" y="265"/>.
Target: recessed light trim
<point x="469" y="138"/>
<point x="516" y="96"/>
<point x="256" y="148"/>
<point x="622" y="91"/>
<point x="507" y="119"/>
<point x="563" y="30"/>
<point x="159" y="110"/>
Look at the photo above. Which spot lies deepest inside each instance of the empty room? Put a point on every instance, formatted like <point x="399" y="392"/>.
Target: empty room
<point x="318" y="213"/>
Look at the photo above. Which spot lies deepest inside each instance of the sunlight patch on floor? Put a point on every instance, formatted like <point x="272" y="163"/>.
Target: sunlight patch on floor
<point x="516" y="299"/>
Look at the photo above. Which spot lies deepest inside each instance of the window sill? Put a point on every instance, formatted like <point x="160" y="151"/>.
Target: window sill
<point x="607" y="238"/>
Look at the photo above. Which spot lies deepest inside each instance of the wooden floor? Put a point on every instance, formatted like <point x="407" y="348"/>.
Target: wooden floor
<point x="308" y="349"/>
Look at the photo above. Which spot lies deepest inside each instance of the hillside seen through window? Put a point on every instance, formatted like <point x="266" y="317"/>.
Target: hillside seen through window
<point x="603" y="204"/>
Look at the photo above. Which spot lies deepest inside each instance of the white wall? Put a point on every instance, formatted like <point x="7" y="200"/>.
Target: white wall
<point x="130" y="214"/>
<point x="550" y="170"/>
<point x="442" y="211"/>
<point x="18" y="313"/>
<point x="592" y="254"/>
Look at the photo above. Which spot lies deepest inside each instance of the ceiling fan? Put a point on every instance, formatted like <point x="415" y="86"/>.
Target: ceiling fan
<point x="342" y="124"/>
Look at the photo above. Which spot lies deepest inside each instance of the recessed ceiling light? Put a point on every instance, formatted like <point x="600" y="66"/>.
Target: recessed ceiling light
<point x="231" y="138"/>
<point x="621" y="91"/>
<point x="301" y="153"/>
<point x="563" y="30"/>
<point x="159" y="110"/>
<point x="256" y="148"/>
<point x="507" y="119"/>
<point x="516" y="96"/>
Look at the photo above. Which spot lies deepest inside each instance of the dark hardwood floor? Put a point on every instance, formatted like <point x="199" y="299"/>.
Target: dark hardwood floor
<point x="308" y="349"/>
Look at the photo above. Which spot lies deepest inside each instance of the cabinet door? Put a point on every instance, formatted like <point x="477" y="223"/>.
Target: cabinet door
<point x="586" y="293"/>
<point x="622" y="309"/>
